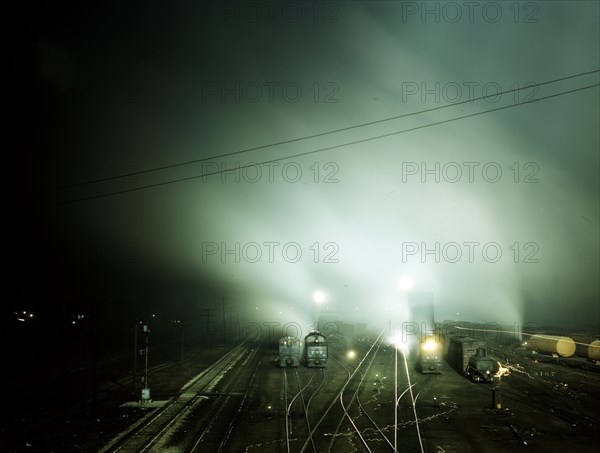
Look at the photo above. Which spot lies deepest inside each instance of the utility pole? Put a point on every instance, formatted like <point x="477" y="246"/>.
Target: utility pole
<point x="94" y="357"/>
<point x="146" y="390"/>
<point x="223" y="315"/>
<point x="207" y="311"/>
<point x="181" y="327"/>
<point x="231" y="328"/>
<point x="135" y="354"/>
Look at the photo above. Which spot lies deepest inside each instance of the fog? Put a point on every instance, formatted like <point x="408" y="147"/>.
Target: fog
<point x="495" y="214"/>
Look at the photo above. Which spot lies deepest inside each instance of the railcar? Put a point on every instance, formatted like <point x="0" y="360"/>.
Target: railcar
<point x="431" y="356"/>
<point x="469" y="357"/>
<point x="290" y="351"/>
<point x="552" y="344"/>
<point x="315" y="350"/>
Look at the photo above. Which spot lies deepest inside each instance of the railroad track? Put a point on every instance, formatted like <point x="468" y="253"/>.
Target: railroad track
<point x="548" y="400"/>
<point x="153" y="432"/>
<point x="362" y="369"/>
<point x="553" y="397"/>
<point x="325" y="419"/>
<point x="214" y="439"/>
<point x="299" y="397"/>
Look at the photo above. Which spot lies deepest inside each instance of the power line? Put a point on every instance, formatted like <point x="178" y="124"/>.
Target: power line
<point x="321" y="134"/>
<point x="328" y="148"/>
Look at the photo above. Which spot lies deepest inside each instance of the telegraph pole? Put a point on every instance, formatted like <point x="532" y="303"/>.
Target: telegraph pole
<point x="94" y="358"/>
<point x="223" y="316"/>
<point x="181" y="327"/>
<point x="135" y="354"/>
<point x="207" y="314"/>
<point x="146" y="390"/>
<point x="231" y="328"/>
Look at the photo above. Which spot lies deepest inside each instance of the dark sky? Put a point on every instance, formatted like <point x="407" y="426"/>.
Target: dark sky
<point x="101" y="92"/>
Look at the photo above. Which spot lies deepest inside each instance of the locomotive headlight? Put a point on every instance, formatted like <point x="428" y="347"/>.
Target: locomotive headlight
<point x="429" y="345"/>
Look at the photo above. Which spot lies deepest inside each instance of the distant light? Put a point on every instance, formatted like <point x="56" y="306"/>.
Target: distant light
<point x="154" y="316"/>
<point x="73" y="322"/>
<point x="257" y="308"/>
<point x="351" y="354"/>
<point x="24" y="312"/>
<point x="319" y="296"/>
<point x="31" y="315"/>
<point x="20" y="319"/>
<point x="406" y="283"/>
<point x="430" y="345"/>
<point x="397" y="342"/>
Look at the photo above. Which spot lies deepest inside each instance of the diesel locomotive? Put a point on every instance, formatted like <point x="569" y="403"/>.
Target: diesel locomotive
<point x="290" y="351"/>
<point x="315" y="350"/>
<point x="431" y="356"/>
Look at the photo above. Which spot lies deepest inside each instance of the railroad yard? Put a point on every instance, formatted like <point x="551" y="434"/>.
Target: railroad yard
<point x="313" y="227"/>
<point x="238" y="398"/>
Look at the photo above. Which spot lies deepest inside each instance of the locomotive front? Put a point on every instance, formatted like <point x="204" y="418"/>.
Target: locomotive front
<point x="315" y="346"/>
<point x="481" y="367"/>
<point x="430" y="356"/>
<point x="289" y="351"/>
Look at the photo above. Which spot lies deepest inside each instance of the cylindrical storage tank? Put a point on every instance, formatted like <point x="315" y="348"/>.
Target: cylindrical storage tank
<point x="582" y="343"/>
<point x="552" y="344"/>
<point x="594" y="350"/>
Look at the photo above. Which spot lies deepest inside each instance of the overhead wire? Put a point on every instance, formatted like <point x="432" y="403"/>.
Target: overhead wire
<point x="319" y="150"/>
<point x="321" y="134"/>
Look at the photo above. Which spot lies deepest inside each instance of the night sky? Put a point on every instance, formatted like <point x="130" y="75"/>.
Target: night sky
<point x="117" y="111"/>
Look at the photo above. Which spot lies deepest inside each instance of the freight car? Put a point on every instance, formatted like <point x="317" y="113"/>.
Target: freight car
<point x="468" y="356"/>
<point x="552" y="344"/>
<point x="315" y="349"/>
<point x="290" y="351"/>
<point x="587" y="345"/>
<point x="430" y="356"/>
<point x="593" y="351"/>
